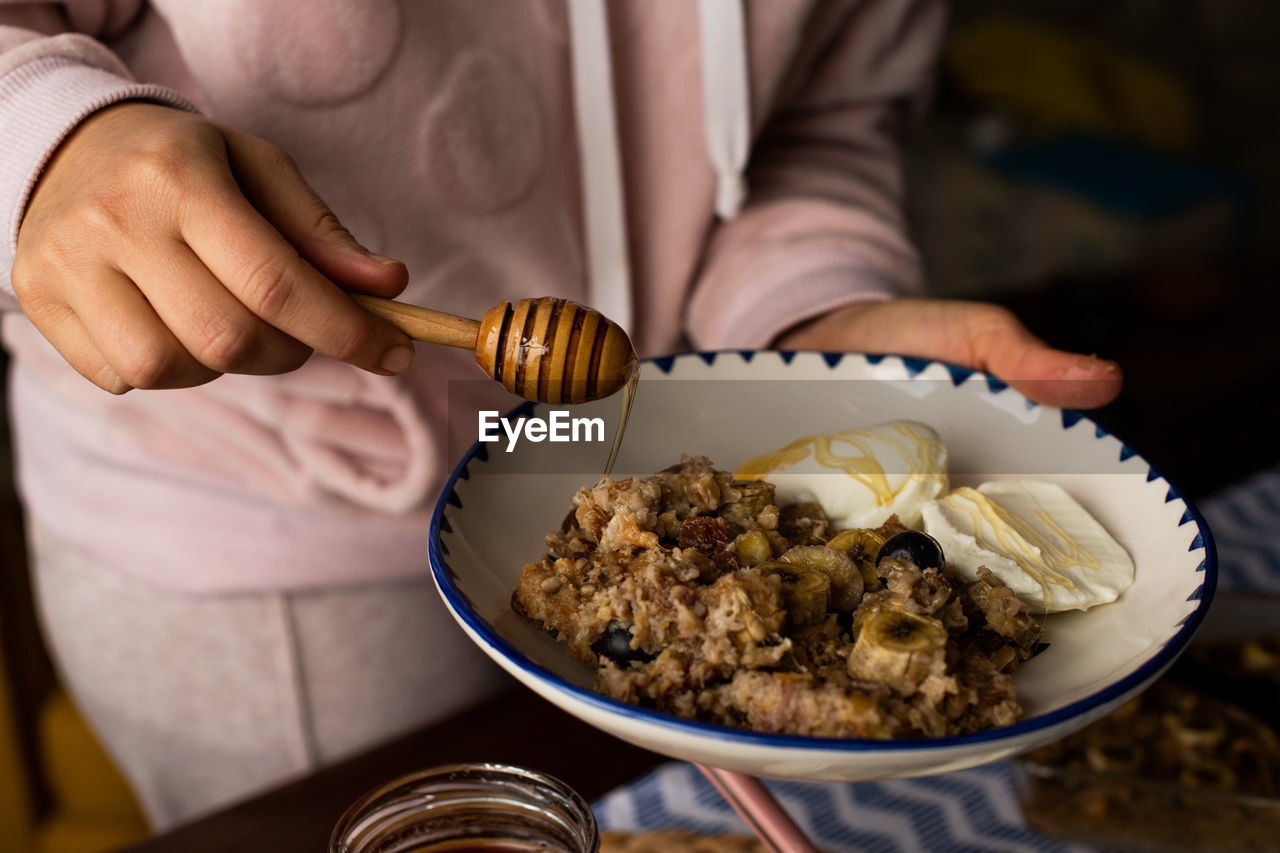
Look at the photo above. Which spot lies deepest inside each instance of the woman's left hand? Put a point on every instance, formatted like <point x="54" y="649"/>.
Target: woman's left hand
<point x="977" y="335"/>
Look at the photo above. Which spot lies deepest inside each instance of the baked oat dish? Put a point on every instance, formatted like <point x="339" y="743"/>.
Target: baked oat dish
<point x="707" y="597"/>
<point x="1172" y="769"/>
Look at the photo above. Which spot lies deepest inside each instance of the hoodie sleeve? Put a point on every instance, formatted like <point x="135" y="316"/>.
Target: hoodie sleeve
<point x="53" y="73"/>
<point x="822" y="226"/>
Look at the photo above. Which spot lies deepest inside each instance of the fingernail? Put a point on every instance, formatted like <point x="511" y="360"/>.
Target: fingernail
<point x="384" y="260"/>
<point x="1092" y="363"/>
<point x="397" y="360"/>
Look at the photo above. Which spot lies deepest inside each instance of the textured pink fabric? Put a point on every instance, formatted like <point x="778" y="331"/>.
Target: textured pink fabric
<point x="44" y="100"/>
<point x="441" y="134"/>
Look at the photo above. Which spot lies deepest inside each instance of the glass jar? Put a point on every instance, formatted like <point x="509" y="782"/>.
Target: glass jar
<point x="468" y="808"/>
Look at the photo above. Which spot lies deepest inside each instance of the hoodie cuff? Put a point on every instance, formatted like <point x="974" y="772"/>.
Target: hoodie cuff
<point x="41" y="102"/>
<point x="794" y="291"/>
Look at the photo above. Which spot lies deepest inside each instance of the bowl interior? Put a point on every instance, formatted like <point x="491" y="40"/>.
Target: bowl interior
<point x="493" y="516"/>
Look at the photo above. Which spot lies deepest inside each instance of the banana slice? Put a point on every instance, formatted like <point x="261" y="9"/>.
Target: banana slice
<point x="747" y="499"/>
<point x="806" y="593"/>
<point x="846" y="580"/>
<point x="899" y="649"/>
<point x="862" y="546"/>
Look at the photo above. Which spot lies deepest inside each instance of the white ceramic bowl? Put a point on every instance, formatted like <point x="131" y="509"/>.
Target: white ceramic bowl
<point x="497" y="507"/>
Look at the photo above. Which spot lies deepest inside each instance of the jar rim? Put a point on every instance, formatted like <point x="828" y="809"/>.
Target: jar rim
<point x="573" y="813"/>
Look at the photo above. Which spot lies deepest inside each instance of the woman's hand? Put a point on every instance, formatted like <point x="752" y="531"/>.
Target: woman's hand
<point x="970" y="334"/>
<point x="160" y="250"/>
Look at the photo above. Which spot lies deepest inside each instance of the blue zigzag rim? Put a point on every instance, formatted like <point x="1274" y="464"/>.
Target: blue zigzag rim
<point x="461" y="607"/>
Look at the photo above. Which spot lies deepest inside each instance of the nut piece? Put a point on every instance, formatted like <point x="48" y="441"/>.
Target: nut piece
<point x="753" y="547"/>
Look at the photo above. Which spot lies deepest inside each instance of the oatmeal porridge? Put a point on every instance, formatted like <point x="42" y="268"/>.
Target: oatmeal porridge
<point x="700" y="595"/>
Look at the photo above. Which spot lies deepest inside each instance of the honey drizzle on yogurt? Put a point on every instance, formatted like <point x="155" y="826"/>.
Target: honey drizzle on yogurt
<point x="916" y="449"/>
<point x="1032" y="551"/>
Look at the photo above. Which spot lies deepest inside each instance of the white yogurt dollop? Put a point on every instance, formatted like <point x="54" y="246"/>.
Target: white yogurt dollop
<point x="1035" y="538"/>
<point x="859" y="476"/>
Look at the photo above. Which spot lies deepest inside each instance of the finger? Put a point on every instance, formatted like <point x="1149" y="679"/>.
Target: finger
<point x="1069" y="380"/>
<point x="275" y="186"/>
<point x="268" y="276"/>
<point x="977" y="335"/>
<point x="210" y="323"/>
<point x="63" y="329"/>
<point x="1002" y="345"/>
<point x="133" y="340"/>
<point x="115" y="320"/>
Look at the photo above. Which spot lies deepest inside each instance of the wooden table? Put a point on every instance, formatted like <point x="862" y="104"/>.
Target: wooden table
<point x="517" y="727"/>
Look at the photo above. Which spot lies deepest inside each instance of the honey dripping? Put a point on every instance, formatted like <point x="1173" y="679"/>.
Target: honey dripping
<point x="628" y="397"/>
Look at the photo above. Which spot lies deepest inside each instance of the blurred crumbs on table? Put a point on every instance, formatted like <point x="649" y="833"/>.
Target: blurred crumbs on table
<point x="676" y="841"/>
<point x="1244" y="672"/>
<point x="1176" y="768"/>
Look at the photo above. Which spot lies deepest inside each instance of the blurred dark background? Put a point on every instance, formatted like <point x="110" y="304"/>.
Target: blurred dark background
<point x="1107" y="169"/>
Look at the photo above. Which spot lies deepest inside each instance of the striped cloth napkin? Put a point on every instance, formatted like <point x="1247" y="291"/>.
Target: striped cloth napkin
<point x="972" y="810"/>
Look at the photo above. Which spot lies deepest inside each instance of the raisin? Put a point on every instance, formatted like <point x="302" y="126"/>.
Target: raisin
<point x="728" y="562"/>
<point x="704" y="534"/>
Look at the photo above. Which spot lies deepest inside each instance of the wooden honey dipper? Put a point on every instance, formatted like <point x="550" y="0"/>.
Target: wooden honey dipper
<point x="546" y="349"/>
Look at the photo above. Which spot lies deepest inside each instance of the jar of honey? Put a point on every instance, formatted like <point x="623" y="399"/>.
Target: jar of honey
<point x="469" y="808"/>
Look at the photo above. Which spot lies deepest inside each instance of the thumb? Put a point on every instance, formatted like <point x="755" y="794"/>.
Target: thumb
<point x="272" y="182"/>
<point x="972" y="334"/>
<point x="1069" y="380"/>
<point x="1052" y="376"/>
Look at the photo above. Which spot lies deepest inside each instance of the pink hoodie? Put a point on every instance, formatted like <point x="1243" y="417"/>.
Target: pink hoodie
<point x="452" y="135"/>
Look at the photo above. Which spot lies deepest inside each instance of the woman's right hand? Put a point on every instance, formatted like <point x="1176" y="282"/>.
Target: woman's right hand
<point x="160" y="250"/>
